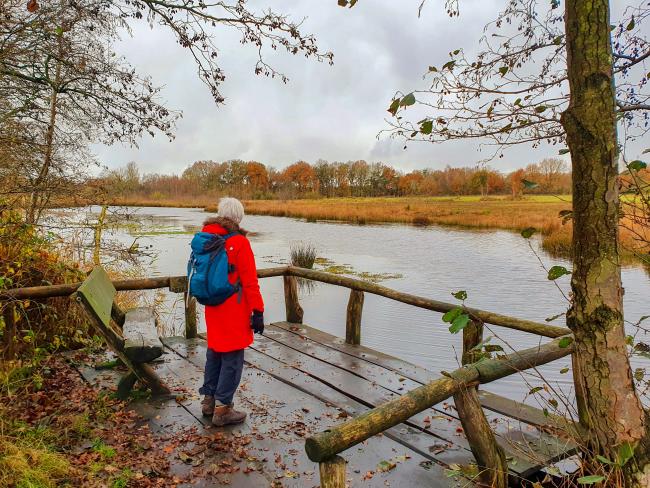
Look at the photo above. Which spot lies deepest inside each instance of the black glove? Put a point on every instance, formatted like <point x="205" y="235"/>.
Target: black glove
<point x="257" y="322"/>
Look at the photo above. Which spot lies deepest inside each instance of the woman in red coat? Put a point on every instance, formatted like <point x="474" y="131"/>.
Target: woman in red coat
<point x="230" y="325"/>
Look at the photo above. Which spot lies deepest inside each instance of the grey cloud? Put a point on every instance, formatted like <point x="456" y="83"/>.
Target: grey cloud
<point x="335" y="113"/>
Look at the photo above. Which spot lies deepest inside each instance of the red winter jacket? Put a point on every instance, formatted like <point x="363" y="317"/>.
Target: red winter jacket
<point x="229" y="324"/>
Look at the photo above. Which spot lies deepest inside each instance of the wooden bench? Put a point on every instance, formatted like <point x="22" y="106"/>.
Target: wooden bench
<point x="136" y="345"/>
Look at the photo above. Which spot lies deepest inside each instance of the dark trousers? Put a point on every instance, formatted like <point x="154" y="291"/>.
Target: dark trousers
<point x="222" y="374"/>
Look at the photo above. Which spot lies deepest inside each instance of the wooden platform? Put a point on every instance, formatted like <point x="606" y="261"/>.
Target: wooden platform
<point x="302" y="380"/>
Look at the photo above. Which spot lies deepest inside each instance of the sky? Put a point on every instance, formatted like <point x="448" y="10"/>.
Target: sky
<point x="332" y="112"/>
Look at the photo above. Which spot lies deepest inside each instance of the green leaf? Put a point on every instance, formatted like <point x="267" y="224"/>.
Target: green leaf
<point x="459" y="323"/>
<point x="528" y="232"/>
<point x="535" y="390"/>
<point x="518" y="101"/>
<point x="59" y="31"/>
<point x="557" y="272"/>
<point x="394" y="106"/>
<point x="433" y="69"/>
<point x="630" y="24"/>
<point x="591" y="479"/>
<point x="460" y="295"/>
<point x="385" y="466"/>
<point x="565" y="342"/>
<point x="426" y="127"/>
<point x="503" y="70"/>
<point x="529" y="184"/>
<point x="563" y="151"/>
<point x="625" y="453"/>
<point x="449" y="65"/>
<point x="450" y="316"/>
<point x="540" y="108"/>
<point x="637" y="165"/>
<point x="604" y="460"/>
<point x="407" y="100"/>
<point x="564" y="370"/>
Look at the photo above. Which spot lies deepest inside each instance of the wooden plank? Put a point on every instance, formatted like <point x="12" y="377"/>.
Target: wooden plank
<point x="539" y="447"/>
<point x="279" y="401"/>
<point x="141" y="341"/>
<point x="524" y="413"/>
<point x="421" y="435"/>
<point x="404" y="369"/>
<point x="408" y="370"/>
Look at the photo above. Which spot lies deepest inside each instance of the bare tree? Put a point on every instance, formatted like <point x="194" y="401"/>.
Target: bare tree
<point x="60" y="79"/>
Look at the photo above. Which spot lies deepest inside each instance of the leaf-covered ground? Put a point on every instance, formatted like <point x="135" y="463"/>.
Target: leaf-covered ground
<point x="94" y="439"/>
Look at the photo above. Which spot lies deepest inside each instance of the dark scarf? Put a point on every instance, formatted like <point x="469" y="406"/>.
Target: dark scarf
<point x="227" y="224"/>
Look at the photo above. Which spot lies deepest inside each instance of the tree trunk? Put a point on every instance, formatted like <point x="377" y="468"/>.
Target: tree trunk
<point x="39" y="185"/>
<point x="611" y="411"/>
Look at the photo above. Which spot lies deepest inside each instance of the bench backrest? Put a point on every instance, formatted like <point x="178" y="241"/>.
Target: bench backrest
<point x="98" y="294"/>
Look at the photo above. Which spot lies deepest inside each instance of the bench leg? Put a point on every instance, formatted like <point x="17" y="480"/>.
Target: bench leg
<point x="125" y="385"/>
<point x="153" y="381"/>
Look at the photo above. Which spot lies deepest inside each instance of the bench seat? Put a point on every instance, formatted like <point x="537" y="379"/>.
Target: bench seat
<point x="141" y="341"/>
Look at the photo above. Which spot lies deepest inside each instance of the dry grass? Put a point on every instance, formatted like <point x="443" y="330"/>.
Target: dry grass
<point x="540" y="212"/>
<point x="30" y="466"/>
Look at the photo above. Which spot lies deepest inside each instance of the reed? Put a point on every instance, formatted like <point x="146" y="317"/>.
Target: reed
<point x="303" y="255"/>
<point x="539" y="211"/>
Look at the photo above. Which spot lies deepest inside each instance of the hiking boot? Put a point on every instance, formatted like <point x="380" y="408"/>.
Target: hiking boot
<point x="207" y="405"/>
<point x="226" y="415"/>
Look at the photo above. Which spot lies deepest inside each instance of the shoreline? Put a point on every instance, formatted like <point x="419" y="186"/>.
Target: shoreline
<point x="466" y="212"/>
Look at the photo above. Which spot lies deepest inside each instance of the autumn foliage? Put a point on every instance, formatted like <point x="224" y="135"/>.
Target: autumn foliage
<point x="203" y="181"/>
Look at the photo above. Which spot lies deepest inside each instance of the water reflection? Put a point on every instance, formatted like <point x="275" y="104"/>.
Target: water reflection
<point x="497" y="268"/>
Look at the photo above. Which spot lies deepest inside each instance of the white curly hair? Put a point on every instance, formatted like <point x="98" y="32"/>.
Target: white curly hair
<point x="231" y="209"/>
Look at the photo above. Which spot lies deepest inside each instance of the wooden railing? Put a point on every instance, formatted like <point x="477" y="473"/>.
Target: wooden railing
<point x="326" y="446"/>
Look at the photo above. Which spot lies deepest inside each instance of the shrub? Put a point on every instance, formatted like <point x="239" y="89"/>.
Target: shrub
<point x="29" y="258"/>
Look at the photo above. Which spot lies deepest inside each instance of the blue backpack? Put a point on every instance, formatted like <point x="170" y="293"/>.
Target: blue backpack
<point x="208" y="269"/>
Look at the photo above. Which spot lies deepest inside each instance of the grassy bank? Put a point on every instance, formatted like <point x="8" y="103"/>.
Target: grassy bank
<point x="472" y="212"/>
<point x="475" y="212"/>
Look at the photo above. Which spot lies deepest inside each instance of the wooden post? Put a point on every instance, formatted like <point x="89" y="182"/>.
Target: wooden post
<point x="472" y="337"/>
<point x="353" y="322"/>
<point x="190" y="316"/>
<point x="489" y="456"/>
<point x="291" y="303"/>
<point x="332" y="472"/>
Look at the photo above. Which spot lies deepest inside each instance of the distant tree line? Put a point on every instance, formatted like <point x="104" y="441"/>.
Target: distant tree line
<point x="254" y="180"/>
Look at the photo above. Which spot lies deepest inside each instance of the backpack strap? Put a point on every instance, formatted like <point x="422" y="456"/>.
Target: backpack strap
<point x="231" y="267"/>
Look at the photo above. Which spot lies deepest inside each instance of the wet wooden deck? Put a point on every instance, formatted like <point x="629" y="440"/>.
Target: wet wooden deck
<point x="300" y="380"/>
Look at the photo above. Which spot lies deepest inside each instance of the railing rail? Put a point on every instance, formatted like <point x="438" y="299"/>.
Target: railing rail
<point x="487" y="317"/>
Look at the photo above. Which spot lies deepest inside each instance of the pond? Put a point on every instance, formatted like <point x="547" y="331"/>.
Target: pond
<point x="498" y="269"/>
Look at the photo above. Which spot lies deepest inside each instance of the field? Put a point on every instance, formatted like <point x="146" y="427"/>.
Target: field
<point x="538" y="211"/>
<point x="494" y="212"/>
